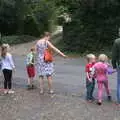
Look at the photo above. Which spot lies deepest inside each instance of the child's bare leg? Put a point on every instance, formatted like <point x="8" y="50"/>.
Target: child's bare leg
<point x="29" y="81"/>
<point x="32" y="82"/>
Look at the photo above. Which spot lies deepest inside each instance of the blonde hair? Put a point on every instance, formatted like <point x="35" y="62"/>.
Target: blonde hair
<point x="90" y="56"/>
<point x="6" y="45"/>
<point x="103" y="58"/>
<point x="3" y="48"/>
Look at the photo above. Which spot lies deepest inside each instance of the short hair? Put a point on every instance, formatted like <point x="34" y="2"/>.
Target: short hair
<point x="102" y="57"/>
<point x="32" y="49"/>
<point x="90" y="56"/>
<point x="6" y="46"/>
<point x="46" y="34"/>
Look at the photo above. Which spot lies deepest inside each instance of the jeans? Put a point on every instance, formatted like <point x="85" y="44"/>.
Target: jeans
<point x="118" y="85"/>
<point x="7" y="78"/>
<point x="90" y="89"/>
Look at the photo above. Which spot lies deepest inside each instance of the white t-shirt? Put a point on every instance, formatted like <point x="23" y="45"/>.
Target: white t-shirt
<point x="7" y="62"/>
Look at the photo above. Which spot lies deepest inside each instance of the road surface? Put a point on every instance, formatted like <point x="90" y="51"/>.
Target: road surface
<point x="68" y="102"/>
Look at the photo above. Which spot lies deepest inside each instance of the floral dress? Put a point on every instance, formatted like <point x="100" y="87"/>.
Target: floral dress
<point x="44" y="69"/>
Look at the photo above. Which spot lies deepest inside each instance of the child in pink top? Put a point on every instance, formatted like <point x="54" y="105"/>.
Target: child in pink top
<point x="101" y="73"/>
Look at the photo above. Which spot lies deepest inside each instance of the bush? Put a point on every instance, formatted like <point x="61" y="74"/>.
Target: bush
<point x="8" y="17"/>
<point x="26" y="17"/>
<point x="94" y="26"/>
<point x="31" y="26"/>
<point x="17" y="39"/>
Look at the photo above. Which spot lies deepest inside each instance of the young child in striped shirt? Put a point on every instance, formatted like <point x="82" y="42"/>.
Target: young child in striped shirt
<point x="30" y="65"/>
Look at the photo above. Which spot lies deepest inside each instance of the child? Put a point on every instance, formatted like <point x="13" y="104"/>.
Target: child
<point x="90" y="81"/>
<point x="101" y="72"/>
<point x="31" y="67"/>
<point x="7" y="66"/>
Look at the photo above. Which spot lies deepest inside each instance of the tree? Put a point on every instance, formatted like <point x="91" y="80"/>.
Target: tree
<point x="94" y="24"/>
<point x="7" y="17"/>
<point x="20" y="14"/>
<point x="31" y="17"/>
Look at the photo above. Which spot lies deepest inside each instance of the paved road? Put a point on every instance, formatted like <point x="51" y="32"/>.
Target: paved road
<point x="69" y="72"/>
<point x="67" y="104"/>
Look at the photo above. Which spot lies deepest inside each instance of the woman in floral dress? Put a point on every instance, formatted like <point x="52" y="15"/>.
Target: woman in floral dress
<point x="45" y="68"/>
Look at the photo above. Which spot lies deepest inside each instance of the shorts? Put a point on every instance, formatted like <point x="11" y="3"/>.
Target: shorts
<point x="31" y="71"/>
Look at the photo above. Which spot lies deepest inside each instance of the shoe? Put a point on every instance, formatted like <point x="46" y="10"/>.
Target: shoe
<point x="99" y="103"/>
<point x="11" y="92"/>
<point x="41" y="92"/>
<point x="5" y="91"/>
<point x="118" y="104"/>
<point x="109" y="98"/>
<point x="51" y="92"/>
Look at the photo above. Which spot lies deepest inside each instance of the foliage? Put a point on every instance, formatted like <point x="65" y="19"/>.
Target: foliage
<point x="7" y="17"/>
<point x="94" y="24"/>
<point x="44" y="12"/>
<point x="31" y="17"/>
<point x="31" y="26"/>
<point x="17" y="39"/>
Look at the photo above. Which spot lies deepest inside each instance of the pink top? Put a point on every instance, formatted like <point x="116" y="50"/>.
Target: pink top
<point x="101" y="71"/>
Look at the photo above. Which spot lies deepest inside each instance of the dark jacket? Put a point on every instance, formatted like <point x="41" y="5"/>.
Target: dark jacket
<point x="116" y="53"/>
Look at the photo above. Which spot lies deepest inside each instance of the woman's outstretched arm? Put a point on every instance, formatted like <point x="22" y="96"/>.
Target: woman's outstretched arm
<point x="55" y="49"/>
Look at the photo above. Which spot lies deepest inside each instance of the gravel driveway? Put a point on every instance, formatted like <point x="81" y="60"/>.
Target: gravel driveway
<point x="68" y="102"/>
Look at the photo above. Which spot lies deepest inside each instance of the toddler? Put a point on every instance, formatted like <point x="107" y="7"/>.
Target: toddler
<point x="31" y="67"/>
<point x="102" y="69"/>
<point x="90" y="81"/>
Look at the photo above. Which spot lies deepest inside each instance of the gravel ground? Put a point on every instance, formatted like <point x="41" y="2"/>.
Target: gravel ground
<point x="30" y="105"/>
<point x="68" y="102"/>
